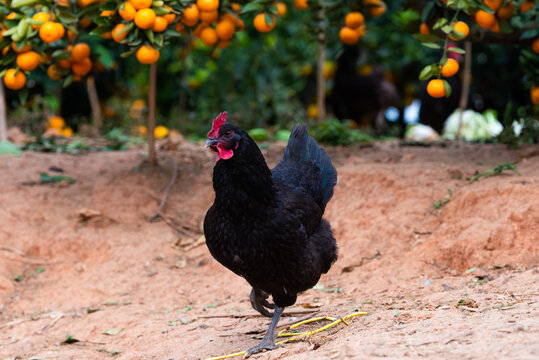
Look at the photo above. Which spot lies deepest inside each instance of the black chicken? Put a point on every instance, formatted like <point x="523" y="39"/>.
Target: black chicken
<point x="266" y="225"/>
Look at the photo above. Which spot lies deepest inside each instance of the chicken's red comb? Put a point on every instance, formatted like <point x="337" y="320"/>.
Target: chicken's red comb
<point x="217" y="123"/>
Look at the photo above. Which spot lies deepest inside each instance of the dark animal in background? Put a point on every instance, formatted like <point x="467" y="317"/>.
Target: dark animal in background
<point x="266" y="225"/>
<point x="362" y="98"/>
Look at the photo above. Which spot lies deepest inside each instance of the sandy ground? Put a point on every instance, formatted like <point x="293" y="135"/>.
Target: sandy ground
<point x="83" y="259"/>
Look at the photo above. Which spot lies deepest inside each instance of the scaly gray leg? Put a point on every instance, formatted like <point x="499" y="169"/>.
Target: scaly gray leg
<point x="260" y="303"/>
<point x="267" y="342"/>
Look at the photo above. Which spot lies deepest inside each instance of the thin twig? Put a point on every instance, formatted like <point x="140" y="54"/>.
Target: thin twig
<point x="158" y="213"/>
<point x="349" y="268"/>
<point x="13" y="250"/>
<point x="47" y="327"/>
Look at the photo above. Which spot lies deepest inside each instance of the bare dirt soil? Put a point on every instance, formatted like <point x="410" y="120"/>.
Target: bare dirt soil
<point x="456" y="283"/>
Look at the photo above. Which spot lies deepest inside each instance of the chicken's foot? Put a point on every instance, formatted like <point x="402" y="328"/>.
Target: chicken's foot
<point x="267" y="342"/>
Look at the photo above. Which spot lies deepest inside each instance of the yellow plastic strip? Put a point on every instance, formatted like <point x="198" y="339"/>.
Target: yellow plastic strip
<point x="296" y="336"/>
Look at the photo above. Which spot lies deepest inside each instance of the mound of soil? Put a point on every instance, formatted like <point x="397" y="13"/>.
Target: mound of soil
<point x="83" y="262"/>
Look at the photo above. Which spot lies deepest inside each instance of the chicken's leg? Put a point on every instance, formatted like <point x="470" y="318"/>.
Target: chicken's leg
<point x="267" y="342"/>
<point x="260" y="303"/>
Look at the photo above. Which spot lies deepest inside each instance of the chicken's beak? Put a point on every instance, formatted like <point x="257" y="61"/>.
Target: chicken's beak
<point x="211" y="142"/>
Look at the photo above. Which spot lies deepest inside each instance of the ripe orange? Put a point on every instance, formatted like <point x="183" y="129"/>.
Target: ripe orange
<point x="106" y="13"/>
<point x="207" y="5"/>
<point x="535" y="46"/>
<point x="526" y="6"/>
<point x="127" y="11"/>
<point x="281" y="8"/>
<point x="147" y="54"/>
<point x="53" y="71"/>
<point x="348" y="35"/>
<point x="496" y="27"/>
<point x="301" y="4"/>
<point x="84" y="3"/>
<point x="67" y="132"/>
<point x="208" y="36"/>
<point x="64" y="63"/>
<point x="424" y="29"/>
<point x="28" y="61"/>
<point x="145" y="18"/>
<point x="493" y="4"/>
<point x="223" y="44"/>
<point x="199" y="28"/>
<point x="118" y="33"/>
<point x="11" y="16"/>
<point x="51" y="32"/>
<point x="160" y="24"/>
<point x="354" y="19"/>
<point x="485" y="19"/>
<point x="261" y="24"/>
<point x="450" y="68"/>
<point x="40" y="16"/>
<point x="461" y="27"/>
<point x="62" y="2"/>
<point x="534" y="94"/>
<point x="82" y="67"/>
<point x="160" y="132"/>
<point x="12" y="81"/>
<point x="85" y="22"/>
<point x="361" y="30"/>
<point x="56" y="122"/>
<point x="225" y="30"/>
<point x="80" y="52"/>
<point x="505" y="12"/>
<point x="376" y="8"/>
<point x="180" y="28"/>
<point x="169" y="17"/>
<point x="190" y="15"/>
<point x="141" y="4"/>
<point x="436" y="88"/>
<point x="26" y="47"/>
<point x="209" y="16"/>
<point x="236" y="7"/>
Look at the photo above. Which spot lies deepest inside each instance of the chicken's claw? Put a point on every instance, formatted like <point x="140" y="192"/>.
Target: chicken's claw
<point x="260" y="303"/>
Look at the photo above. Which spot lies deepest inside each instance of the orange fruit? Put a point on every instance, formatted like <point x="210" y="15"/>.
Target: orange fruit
<point x="493" y="4"/>
<point x="68" y="132"/>
<point x="85" y="22"/>
<point x="424" y="29"/>
<point x="301" y="4"/>
<point x="485" y="19"/>
<point x="180" y="27"/>
<point x="348" y="35"/>
<point x="190" y="15"/>
<point x="223" y="44"/>
<point x="56" y="122"/>
<point x="26" y="47"/>
<point x="261" y="24"/>
<point x="53" y="71"/>
<point x="208" y="36"/>
<point x="199" y="28"/>
<point x="106" y="13"/>
<point x="147" y="54"/>
<point x="461" y="27"/>
<point x="82" y="67"/>
<point x="127" y="11"/>
<point x="40" y="16"/>
<point x="535" y="46"/>
<point x="354" y="19"/>
<point x="236" y="7"/>
<point x="209" y="16"/>
<point x="51" y="32"/>
<point x="160" y="24"/>
<point x="71" y="35"/>
<point x="496" y="27"/>
<point x="169" y="17"/>
<point x="361" y="31"/>
<point x="505" y="12"/>
<point x="145" y="18"/>
<point x="14" y="82"/>
<point x="450" y="68"/>
<point x="64" y="63"/>
<point x="79" y="52"/>
<point x="225" y="30"/>
<point x="207" y="5"/>
<point x="141" y="4"/>
<point x="526" y="6"/>
<point x="118" y="34"/>
<point x="281" y="8"/>
<point x="375" y="8"/>
<point x="11" y="16"/>
<point x="62" y="2"/>
<point x="84" y="3"/>
<point x="534" y="94"/>
<point x="160" y="132"/>
<point x="436" y="88"/>
<point x="28" y="61"/>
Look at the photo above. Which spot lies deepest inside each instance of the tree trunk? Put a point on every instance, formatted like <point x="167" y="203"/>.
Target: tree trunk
<point x="94" y="103"/>
<point x="320" y="81"/>
<point x="3" y="113"/>
<point x="463" y="103"/>
<point x="151" y="115"/>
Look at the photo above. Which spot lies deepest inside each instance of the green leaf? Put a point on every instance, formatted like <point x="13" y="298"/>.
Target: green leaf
<point x="439" y="23"/>
<point x="40" y="270"/>
<point x="8" y="148"/>
<point x="427" y="72"/>
<point x="112" y="331"/>
<point x="46" y="178"/>
<point x="431" y="45"/>
<point x="456" y="50"/>
<point x="269" y="19"/>
<point x="20" y="3"/>
<point x="447" y="89"/>
<point x="61" y="54"/>
<point x="70" y="340"/>
<point x="149" y="35"/>
<point x="252" y="6"/>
